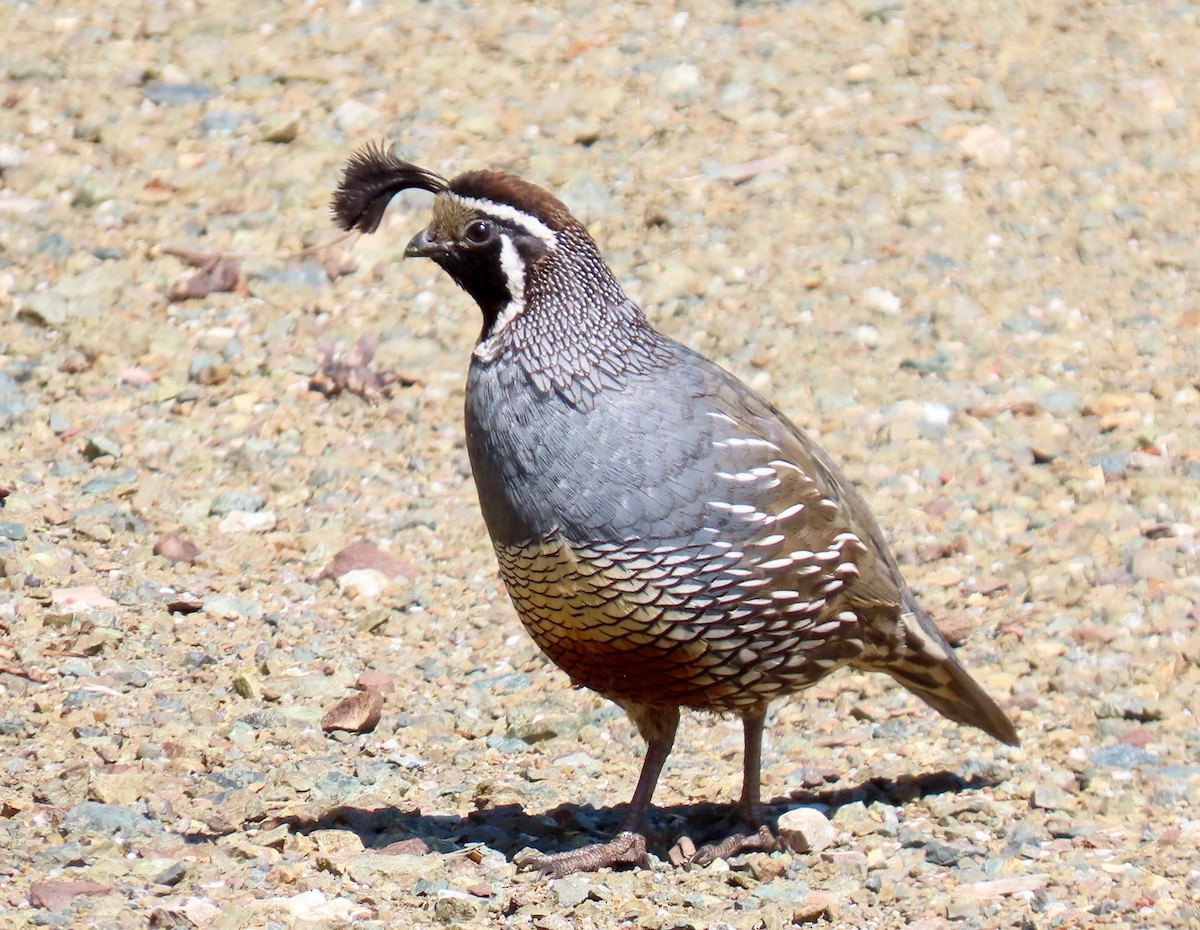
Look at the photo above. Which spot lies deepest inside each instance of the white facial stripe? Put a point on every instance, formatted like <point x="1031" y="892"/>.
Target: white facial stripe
<point x="513" y="267"/>
<point x="514" y="275"/>
<point x="503" y="211"/>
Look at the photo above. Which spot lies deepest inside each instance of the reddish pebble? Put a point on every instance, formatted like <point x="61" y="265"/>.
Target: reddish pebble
<point x="375" y="680"/>
<point x="1137" y="736"/>
<point x="409" y="847"/>
<point x="362" y="554"/>
<point x="175" y="548"/>
<point x="357" y="713"/>
<point x="136" y="376"/>
<point x="54" y="896"/>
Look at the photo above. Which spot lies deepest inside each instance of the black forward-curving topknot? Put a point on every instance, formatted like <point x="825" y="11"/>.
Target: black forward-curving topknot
<point x="372" y="177"/>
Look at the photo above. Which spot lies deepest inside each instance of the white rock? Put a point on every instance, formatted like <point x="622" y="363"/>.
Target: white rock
<point x="806" y="829"/>
<point x="866" y="336"/>
<point x="313" y="905"/>
<point x="12" y="156"/>
<point x="680" y="80"/>
<point x="881" y="299"/>
<point x="986" y="146"/>
<point x="365" y="584"/>
<point x="244" y="521"/>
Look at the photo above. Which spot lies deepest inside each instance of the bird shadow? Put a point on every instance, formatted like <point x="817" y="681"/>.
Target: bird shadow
<point x="508" y="828"/>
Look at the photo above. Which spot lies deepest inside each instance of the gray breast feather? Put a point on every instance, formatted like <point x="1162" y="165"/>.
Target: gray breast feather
<point x="686" y="456"/>
<point x="620" y="468"/>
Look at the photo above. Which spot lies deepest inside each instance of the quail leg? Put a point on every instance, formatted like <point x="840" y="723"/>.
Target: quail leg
<point x="628" y="847"/>
<point x="749" y="832"/>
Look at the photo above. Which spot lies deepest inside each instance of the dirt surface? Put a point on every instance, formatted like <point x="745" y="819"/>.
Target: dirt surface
<point x="955" y="241"/>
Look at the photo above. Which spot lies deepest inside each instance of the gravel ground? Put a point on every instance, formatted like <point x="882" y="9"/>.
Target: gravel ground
<point x="974" y="222"/>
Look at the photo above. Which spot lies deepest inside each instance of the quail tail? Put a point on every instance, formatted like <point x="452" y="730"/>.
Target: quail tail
<point x="926" y="665"/>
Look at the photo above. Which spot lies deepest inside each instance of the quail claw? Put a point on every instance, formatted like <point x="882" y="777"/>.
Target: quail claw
<point x="761" y="840"/>
<point x="625" y="849"/>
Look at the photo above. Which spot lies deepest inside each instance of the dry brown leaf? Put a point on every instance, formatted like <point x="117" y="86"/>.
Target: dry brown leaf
<point x="222" y="274"/>
<point x="355" y="375"/>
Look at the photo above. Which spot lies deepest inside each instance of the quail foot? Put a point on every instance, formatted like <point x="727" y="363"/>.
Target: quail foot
<point x="668" y="538"/>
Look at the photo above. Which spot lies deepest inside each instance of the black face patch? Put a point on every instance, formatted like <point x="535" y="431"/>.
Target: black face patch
<point x="479" y="271"/>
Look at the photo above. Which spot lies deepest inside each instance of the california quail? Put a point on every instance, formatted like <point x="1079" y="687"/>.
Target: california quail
<point x="669" y="538"/>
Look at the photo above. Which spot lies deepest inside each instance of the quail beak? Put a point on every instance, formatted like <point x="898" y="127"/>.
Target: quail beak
<point x="423" y="245"/>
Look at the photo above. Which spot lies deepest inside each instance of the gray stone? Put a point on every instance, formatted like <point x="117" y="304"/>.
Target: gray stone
<point x="108" y="820"/>
<point x="232" y="608"/>
<point x="60" y="855"/>
<point x="177" y="94"/>
<point x="782" y="891"/>
<point x="372" y="866"/>
<point x="855" y="818"/>
<point x="105" y="483"/>
<point x="220" y="121"/>
<point x="171" y="874"/>
<point x="13" y="404"/>
<point x="296" y="274"/>
<point x="1051" y="797"/>
<point x="571" y="891"/>
<point x="237" y="776"/>
<point x="229" y="501"/>
<point x="453" y="907"/>
<point x="939" y="853"/>
<point x="1120" y="756"/>
<point x="1025" y="836"/>
<point x="425" y="886"/>
<point x="1130" y="707"/>
<point x="1113" y="465"/>
<point x="267" y="718"/>
<point x="1060" y="401"/>
<point x="506" y="744"/>
<point x="543" y="720"/>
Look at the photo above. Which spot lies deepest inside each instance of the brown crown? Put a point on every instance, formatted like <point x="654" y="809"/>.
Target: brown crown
<point x="501" y="187"/>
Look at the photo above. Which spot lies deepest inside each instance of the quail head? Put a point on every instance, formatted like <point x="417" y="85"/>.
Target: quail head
<point x="668" y="538"/>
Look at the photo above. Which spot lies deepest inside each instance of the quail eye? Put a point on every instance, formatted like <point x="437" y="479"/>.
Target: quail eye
<point x="478" y="231"/>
